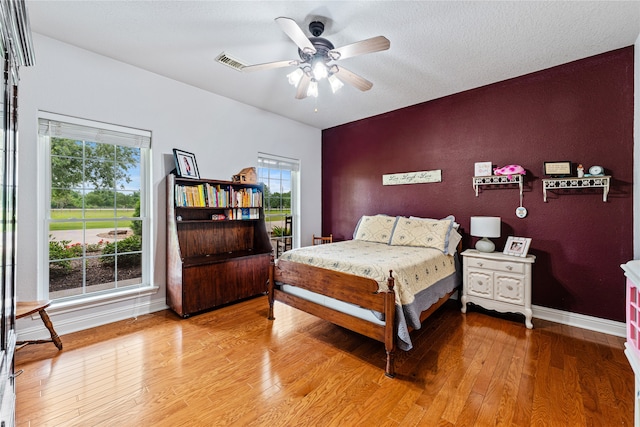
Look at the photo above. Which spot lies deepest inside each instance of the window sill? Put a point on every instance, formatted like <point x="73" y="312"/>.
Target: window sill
<point x="98" y="300"/>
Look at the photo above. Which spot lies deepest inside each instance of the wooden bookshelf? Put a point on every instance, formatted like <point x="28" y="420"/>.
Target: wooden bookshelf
<point x="212" y="262"/>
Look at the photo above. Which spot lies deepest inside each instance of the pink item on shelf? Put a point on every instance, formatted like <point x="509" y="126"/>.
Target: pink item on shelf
<point x="509" y="171"/>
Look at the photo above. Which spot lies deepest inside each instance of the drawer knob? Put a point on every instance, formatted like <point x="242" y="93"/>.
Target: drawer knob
<point x="509" y="267"/>
<point x="480" y="264"/>
<point x="510" y="287"/>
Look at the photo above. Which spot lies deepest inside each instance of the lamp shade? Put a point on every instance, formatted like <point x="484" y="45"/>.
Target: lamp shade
<point x="485" y="226"/>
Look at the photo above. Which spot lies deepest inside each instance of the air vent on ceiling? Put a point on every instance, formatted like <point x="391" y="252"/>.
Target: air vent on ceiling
<point x="225" y="59"/>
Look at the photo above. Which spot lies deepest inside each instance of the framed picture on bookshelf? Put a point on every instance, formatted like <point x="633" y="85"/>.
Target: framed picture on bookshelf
<point x="517" y="246"/>
<point x="186" y="166"/>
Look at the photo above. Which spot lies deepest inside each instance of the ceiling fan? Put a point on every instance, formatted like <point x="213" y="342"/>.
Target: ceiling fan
<point x="317" y="56"/>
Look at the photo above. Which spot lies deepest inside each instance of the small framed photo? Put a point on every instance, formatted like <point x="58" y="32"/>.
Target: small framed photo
<point x="557" y="169"/>
<point x="186" y="166"/>
<point x="483" y="169"/>
<point x="517" y="246"/>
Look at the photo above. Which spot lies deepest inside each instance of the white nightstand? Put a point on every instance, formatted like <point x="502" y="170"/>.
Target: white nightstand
<point x="498" y="282"/>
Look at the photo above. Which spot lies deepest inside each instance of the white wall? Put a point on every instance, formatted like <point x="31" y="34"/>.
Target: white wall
<point x="224" y="135"/>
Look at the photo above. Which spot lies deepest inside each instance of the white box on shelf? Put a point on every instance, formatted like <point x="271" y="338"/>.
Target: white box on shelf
<point x="483" y="169"/>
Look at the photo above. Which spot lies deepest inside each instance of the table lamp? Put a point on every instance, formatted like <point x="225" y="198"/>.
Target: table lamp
<point x="484" y="227"/>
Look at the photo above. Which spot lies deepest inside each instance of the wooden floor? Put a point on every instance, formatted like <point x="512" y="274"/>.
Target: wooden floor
<point x="232" y="366"/>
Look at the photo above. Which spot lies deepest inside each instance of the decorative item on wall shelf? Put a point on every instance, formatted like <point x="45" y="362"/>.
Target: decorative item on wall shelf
<point x="596" y="170"/>
<point x="484" y="227"/>
<point x="186" y="166"/>
<point x="580" y="171"/>
<point x="246" y="176"/>
<point x="517" y="246"/>
<point x="509" y="171"/>
<point x="482" y="169"/>
<point x="558" y="169"/>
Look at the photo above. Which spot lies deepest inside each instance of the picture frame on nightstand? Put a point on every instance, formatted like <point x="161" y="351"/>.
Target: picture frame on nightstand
<point x="517" y="246"/>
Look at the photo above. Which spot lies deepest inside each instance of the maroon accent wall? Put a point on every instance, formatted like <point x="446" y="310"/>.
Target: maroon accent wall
<point x="581" y="111"/>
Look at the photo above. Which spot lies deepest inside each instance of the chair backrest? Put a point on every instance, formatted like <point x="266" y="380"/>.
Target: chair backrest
<point x="288" y="225"/>
<point x="321" y="240"/>
<point x="287" y="241"/>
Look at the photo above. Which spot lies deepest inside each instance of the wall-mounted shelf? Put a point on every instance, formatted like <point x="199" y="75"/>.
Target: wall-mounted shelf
<point x="576" y="184"/>
<point x="479" y="181"/>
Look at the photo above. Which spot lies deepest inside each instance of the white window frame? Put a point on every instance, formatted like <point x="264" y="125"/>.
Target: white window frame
<point x="292" y="165"/>
<point x="146" y="287"/>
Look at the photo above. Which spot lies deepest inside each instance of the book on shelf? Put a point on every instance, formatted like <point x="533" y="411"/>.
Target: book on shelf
<point x="190" y="196"/>
<point x="217" y="196"/>
<point x="242" y="213"/>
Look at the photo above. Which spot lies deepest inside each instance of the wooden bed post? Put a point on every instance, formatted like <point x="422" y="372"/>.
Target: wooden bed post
<point x="390" y="326"/>
<point x="270" y="289"/>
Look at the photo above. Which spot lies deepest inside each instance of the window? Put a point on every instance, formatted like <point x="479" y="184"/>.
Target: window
<point x="96" y="223"/>
<point x="280" y="177"/>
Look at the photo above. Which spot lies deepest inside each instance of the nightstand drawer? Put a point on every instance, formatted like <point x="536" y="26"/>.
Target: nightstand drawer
<point x="508" y="266"/>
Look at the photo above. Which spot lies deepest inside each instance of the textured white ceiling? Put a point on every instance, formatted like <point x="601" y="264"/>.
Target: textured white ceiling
<point x="437" y="47"/>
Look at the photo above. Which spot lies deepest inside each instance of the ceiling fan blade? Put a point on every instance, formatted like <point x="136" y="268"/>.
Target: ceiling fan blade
<point x="301" y="93"/>
<point x="374" y="44"/>
<point x="296" y="34"/>
<point x="270" y="65"/>
<point x="353" y="79"/>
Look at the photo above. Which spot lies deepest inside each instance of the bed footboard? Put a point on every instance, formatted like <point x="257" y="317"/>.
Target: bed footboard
<point x="344" y="287"/>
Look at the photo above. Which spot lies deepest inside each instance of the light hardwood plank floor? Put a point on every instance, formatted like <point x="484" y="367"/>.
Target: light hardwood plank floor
<point x="232" y="366"/>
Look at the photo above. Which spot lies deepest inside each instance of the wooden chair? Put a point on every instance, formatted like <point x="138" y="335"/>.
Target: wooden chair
<point x="287" y="241"/>
<point x="27" y="308"/>
<point x="321" y="240"/>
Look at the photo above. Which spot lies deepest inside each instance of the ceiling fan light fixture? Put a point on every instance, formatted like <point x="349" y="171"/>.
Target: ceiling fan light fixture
<point x="335" y="83"/>
<point x="319" y="69"/>
<point x="312" y="90"/>
<point x="295" y="76"/>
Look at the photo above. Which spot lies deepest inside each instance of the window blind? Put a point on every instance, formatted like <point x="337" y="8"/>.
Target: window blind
<point x="58" y="126"/>
<point x="269" y="161"/>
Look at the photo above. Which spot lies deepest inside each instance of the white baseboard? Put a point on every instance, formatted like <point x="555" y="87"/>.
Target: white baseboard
<point x="597" y="324"/>
<point x="87" y="319"/>
<point x="591" y="323"/>
<point x="68" y="324"/>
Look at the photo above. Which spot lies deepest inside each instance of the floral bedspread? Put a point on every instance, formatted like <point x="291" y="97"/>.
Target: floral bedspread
<point x="414" y="268"/>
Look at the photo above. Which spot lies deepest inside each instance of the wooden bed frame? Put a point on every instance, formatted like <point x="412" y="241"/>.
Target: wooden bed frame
<point x="344" y="287"/>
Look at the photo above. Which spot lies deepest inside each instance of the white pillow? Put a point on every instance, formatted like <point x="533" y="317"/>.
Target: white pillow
<point x="377" y="228"/>
<point x="454" y="240"/>
<point x="429" y="233"/>
<point x="453" y="237"/>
